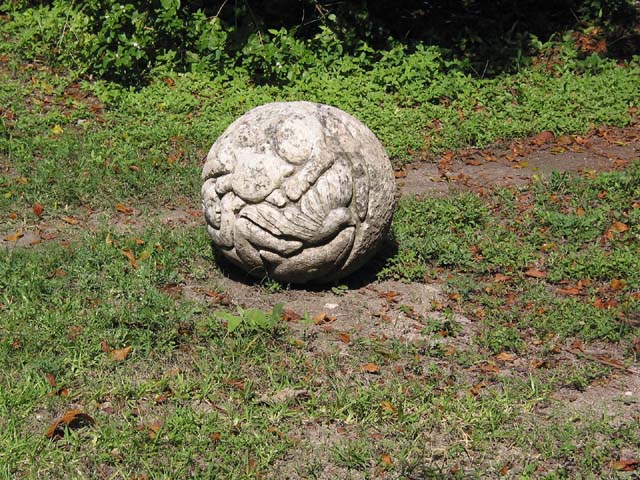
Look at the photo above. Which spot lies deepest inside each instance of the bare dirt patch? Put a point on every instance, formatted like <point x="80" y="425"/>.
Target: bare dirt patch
<point x="518" y="162"/>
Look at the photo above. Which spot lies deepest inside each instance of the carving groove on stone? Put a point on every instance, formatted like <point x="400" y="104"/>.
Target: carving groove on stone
<point x="298" y="191"/>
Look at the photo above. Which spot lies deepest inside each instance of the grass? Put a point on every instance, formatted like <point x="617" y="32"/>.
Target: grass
<point x="535" y="279"/>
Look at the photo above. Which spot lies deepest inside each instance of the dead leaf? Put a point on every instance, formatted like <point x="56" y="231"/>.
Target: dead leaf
<point x="534" y="273"/>
<point x="37" y="209"/>
<point x="215" y="437"/>
<point x="153" y="428"/>
<point x="51" y="379"/>
<point x="121" y="354"/>
<point x="104" y="346"/>
<point x="618" y="227"/>
<point x="604" y="304"/>
<point x="570" y="291"/>
<point x="14" y="237"/>
<point x="344" y="337"/>
<point x="70" y="220"/>
<point x="322" y="318"/>
<point x="370" y="368"/>
<point x="445" y="161"/>
<point x="385" y="459"/>
<point x="132" y="259"/>
<point x="124" y="209"/>
<point x="626" y="465"/>
<point x="604" y="359"/>
<point x="164" y="396"/>
<point x="173" y="290"/>
<point x="237" y="384"/>
<point x="504" y="470"/>
<point x="499" y="277"/>
<point x="387" y="407"/>
<point x="290" y="316"/>
<point x="60" y="392"/>
<point x="618" y="284"/>
<point x="474" y="162"/>
<point x="544" y="137"/>
<point x="218" y="298"/>
<point x="577" y="345"/>
<point x="456" y="297"/>
<point x="475" y="390"/>
<point x="390" y="297"/>
<point x="488" y="368"/>
<point x="506" y="357"/>
<point x="72" y="420"/>
<point x="174" y="156"/>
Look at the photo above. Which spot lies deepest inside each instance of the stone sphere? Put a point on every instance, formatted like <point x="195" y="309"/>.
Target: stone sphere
<point x="298" y="191"/>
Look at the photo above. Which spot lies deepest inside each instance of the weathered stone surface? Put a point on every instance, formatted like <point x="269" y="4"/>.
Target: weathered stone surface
<point x="298" y="191"/>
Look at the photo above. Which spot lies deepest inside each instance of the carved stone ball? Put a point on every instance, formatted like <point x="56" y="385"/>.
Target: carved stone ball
<point x="298" y="191"/>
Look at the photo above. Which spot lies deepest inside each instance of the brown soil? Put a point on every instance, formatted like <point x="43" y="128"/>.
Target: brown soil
<point x="518" y="162"/>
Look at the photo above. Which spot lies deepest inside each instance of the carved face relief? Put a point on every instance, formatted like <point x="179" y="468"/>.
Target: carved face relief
<point x="297" y="191"/>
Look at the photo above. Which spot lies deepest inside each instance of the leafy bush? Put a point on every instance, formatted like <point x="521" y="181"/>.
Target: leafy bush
<point x="127" y="41"/>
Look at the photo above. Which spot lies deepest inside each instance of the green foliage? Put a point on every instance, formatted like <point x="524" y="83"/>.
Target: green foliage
<point x="251" y="319"/>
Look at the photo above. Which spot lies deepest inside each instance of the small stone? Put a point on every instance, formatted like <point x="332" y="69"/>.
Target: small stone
<point x="297" y="191"/>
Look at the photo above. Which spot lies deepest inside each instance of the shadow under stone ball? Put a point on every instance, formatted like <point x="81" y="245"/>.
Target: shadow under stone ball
<point x="298" y="191"/>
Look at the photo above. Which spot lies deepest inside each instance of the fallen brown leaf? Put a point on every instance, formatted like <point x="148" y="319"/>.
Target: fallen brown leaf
<point x="475" y="390"/>
<point x="237" y="384"/>
<point x="385" y="459"/>
<point x="164" y="396"/>
<point x="387" y="407"/>
<point x="370" y="368"/>
<point x="51" y="379"/>
<point x="132" y="258"/>
<point x="14" y="237"/>
<point x="499" y="277"/>
<point x="534" y="273"/>
<point x="70" y="220"/>
<point x="124" y="209"/>
<point x="120" y="354"/>
<point x="488" y="368"/>
<point x="506" y="357"/>
<point x="153" y="428"/>
<point x="543" y="137"/>
<point x="626" y="465"/>
<point x="390" y="297"/>
<point x="570" y="291"/>
<point x="344" y="337"/>
<point x="37" y="209"/>
<point x="72" y="420"/>
<point x="218" y="298"/>
<point x="172" y="289"/>
<point x="290" y="316"/>
<point x="619" y="227"/>
<point x="322" y="318"/>
<point x="564" y="140"/>
<point x="618" y="284"/>
<point x="604" y="304"/>
<point x="104" y="346"/>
